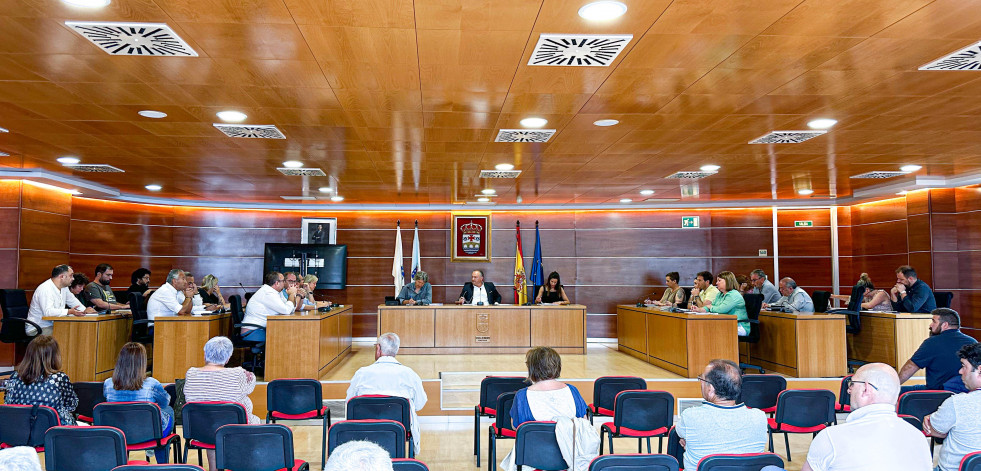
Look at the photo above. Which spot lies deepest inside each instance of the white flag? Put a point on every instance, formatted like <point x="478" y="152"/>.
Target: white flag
<point x="397" y="273"/>
<point x="416" y="264"/>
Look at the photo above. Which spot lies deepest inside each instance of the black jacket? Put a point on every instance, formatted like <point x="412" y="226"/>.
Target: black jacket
<point x="493" y="296"/>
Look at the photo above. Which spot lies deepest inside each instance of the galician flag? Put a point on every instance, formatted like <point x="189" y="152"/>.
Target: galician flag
<point x="520" y="287"/>
<point x="397" y="272"/>
<point x="416" y="264"/>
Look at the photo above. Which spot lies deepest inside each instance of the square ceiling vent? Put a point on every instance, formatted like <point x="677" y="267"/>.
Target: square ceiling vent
<point x="133" y="39"/>
<point x="578" y="50"/>
<point x="253" y="131"/>
<point x="499" y="174"/>
<point x="94" y="168"/>
<point x="880" y="175"/>
<point x="524" y="135"/>
<point x="968" y="58"/>
<point x="304" y="172"/>
<point x="690" y="175"/>
<point x="786" y="137"/>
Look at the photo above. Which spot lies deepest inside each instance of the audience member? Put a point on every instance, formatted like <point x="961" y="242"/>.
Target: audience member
<point x="552" y="292"/>
<point x="794" y="297"/>
<point x="79" y="280"/>
<point x="938" y="354"/>
<point x="50" y="299"/>
<point x="359" y="455"/>
<point x="730" y="301"/>
<point x="547" y="397"/>
<point x="478" y="292"/>
<point x="721" y="424"/>
<point x="386" y="376"/>
<point x="956" y="420"/>
<point x="873" y="299"/>
<point x="19" y="458"/>
<point x="99" y="294"/>
<point x="911" y="294"/>
<point x="419" y="292"/>
<point x="174" y="298"/>
<point x="873" y="436"/>
<point x="38" y="380"/>
<point x="214" y="382"/>
<point x="268" y="301"/>
<point x="140" y="283"/>
<point x="762" y="285"/>
<point x="210" y="292"/>
<point x="704" y="292"/>
<point x="673" y="294"/>
<point x="130" y="383"/>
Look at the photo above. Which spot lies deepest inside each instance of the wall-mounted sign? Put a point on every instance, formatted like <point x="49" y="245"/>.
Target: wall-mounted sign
<point x="803" y="223"/>
<point x="763" y="252"/>
<point x="689" y="221"/>
<point x="471" y="237"/>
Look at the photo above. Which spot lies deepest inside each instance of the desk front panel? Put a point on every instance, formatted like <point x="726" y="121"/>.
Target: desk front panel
<point x="632" y="332"/>
<point x="178" y="343"/>
<point x="682" y="343"/>
<point x="306" y="346"/>
<point x="889" y="338"/>
<point x="801" y="345"/>
<point x="89" y="345"/>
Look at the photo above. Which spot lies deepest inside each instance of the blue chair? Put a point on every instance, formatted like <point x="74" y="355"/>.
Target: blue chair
<point x="158" y="467"/>
<point x="201" y="421"/>
<point x="605" y="390"/>
<point x="490" y="388"/>
<point x="256" y="448"/>
<point x="140" y="423"/>
<point x="761" y="391"/>
<point x="744" y="462"/>
<point x="971" y="462"/>
<point x="640" y="415"/>
<point x="298" y="399"/>
<point x="74" y="448"/>
<point x="801" y="411"/>
<point x="535" y="446"/>
<point x="502" y="427"/>
<point x="383" y="408"/>
<point x="408" y="464"/>
<point x="634" y="463"/>
<point x="90" y="394"/>
<point x="25" y="425"/>
<point x="387" y="434"/>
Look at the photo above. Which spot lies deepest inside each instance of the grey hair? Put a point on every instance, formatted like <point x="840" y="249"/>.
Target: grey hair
<point x="789" y="282"/>
<point x="218" y="350"/>
<point x="209" y="282"/>
<point x="174" y="274"/>
<point x="759" y="272"/>
<point x="389" y="343"/>
<point x="421" y="275"/>
<point x="359" y="455"/>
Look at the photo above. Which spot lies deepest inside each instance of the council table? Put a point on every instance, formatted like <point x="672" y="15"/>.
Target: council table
<point x="178" y="343"/>
<point x="889" y="337"/>
<point x="307" y="345"/>
<point x="804" y="345"/>
<point x="90" y="344"/>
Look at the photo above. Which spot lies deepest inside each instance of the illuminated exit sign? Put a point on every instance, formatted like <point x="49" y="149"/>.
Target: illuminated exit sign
<point x="803" y="223"/>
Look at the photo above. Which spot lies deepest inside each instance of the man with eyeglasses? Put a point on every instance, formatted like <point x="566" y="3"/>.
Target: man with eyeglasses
<point x="761" y="285"/>
<point x="268" y="301"/>
<point x="957" y="418"/>
<point x="873" y="436"/>
<point x="292" y="280"/>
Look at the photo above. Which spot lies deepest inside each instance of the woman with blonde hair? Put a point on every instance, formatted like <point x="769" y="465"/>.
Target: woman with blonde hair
<point x="129" y="383"/>
<point x="873" y="299"/>
<point x="210" y="292"/>
<point x="730" y="301"/>
<point x="38" y="380"/>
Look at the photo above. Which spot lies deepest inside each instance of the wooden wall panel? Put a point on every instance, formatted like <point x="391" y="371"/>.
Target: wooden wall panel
<point x="642" y="242"/>
<point x="35" y="266"/>
<point x="41" y="199"/>
<point x="10" y="221"/>
<point x="820" y="217"/>
<point x="918" y="202"/>
<point x="40" y="230"/>
<point x="84" y="209"/>
<point x="804" y="241"/>
<point x="893" y="209"/>
<point x="8" y="260"/>
<point x="10" y="193"/>
<point x="807" y="272"/>
<point x="741" y="242"/>
<point x="918" y="233"/>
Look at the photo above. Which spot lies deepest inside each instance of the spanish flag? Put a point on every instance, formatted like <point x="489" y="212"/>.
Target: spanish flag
<point x="520" y="288"/>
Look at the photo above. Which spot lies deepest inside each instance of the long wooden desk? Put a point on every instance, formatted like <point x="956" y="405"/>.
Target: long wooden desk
<point x="89" y="345"/>
<point x="453" y="329"/>
<point x="307" y="345"/>
<point x="801" y="345"/>
<point x="682" y="343"/>
<point x="890" y="338"/>
<point x="178" y="343"/>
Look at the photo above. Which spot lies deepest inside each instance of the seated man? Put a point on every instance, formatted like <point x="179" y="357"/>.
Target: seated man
<point x="478" y="291"/>
<point x="938" y="354"/>
<point x="704" y="292"/>
<point x="873" y="436"/>
<point x="99" y="293"/>
<point x="761" y="285"/>
<point x="911" y="294"/>
<point x="358" y="455"/>
<point x="794" y="297"/>
<point x="268" y="301"/>
<point x="720" y="424"/>
<point x="388" y="377"/>
<point x="50" y="299"/>
<point x="957" y="418"/>
<point x="292" y="280"/>
<point x="173" y="298"/>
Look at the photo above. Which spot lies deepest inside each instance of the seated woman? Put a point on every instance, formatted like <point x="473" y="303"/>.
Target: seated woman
<point x="420" y="292"/>
<point x="309" y="302"/>
<point x="745" y="286"/>
<point x="210" y="292"/>
<point x="674" y="295"/>
<point x="873" y="299"/>
<point x="214" y="382"/>
<point x="730" y="301"/>
<point x="79" y="280"/>
<point x="129" y="383"/>
<point x="38" y="380"/>
<point x="547" y="397"/>
<point x="552" y="292"/>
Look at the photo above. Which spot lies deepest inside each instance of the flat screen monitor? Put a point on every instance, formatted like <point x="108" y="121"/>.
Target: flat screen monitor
<point x="327" y="261"/>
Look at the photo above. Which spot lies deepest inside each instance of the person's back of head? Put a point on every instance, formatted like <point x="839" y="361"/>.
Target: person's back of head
<point x="948" y="315"/>
<point x="725" y="378"/>
<point x="359" y="455"/>
<point x="388" y="344"/>
<point x="881" y="383"/>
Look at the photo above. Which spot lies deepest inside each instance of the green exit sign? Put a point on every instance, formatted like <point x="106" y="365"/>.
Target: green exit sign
<point x="803" y="223"/>
<point x="689" y="221"/>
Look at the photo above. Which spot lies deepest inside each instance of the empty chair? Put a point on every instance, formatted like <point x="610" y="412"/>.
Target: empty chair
<point x="140" y="423"/>
<point x="158" y="467"/>
<point x="943" y="298"/>
<point x="502" y="427"/>
<point x="605" y="390"/>
<point x="490" y="388"/>
<point x="971" y="462"/>
<point x="256" y="448"/>
<point x="141" y="323"/>
<point x="386" y="408"/>
<point x="761" y="391"/>
<point x="13" y="303"/>
<point x="238" y="315"/>
<point x="640" y="415"/>
<point x="201" y="421"/>
<point x="745" y="462"/>
<point x="388" y="434"/>
<point x="408" y="464"/>
<point x="801" y="411"/>
<point x="821" y="300"/>
<point x="25" y="425"/>
<point x="89" y="394"/>
<point x="634" y="463"/>
<point x="298" y="399"/>
<point x="74" y="448"/>
<point x="754" y="302"/>
<point x="535" y="446"/>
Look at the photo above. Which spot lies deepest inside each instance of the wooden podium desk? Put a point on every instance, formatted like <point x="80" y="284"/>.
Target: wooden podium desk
<point x="679" y="342"/>
<point x="307" y="345"/>
<point x="90" y="344"/>
<point x="889" y="337"/>
<point x="509" y="328"/>
<point x="178" y="343"/>
<point x="801" y="345"/>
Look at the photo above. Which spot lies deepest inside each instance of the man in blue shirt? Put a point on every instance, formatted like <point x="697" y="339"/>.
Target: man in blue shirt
<point x="911" y="294"/>
<point x="938" y="354"/>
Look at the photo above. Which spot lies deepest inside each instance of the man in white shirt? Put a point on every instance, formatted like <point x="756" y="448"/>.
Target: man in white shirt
<point x="388" y="377"/>
<point x="173" y="298"/>
<point x="873" y="437"/>
<point x="50" y="299"/>
<point x="478" y="292"/>
<point x="267" y="301"/>
<point x="957" y="418"/>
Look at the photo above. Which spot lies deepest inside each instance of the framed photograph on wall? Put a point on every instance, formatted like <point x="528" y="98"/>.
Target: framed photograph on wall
<point x="471" y="239"/>
<point x="318" y="231"/>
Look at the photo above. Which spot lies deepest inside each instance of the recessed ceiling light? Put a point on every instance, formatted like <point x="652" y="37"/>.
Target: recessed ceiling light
<point x="153" y="187"/>
<point x="805" y="191"/>
<point x="4" y="130"/>
<point x="606" y="122"/>
<point x="626" y="200"/>
<point x="822" y="123"/>
<point x="68" y="160"/>
<point x="326" y="189"/>
<point x="87" y="3"/>
<point x="292" y="164"/>
<point x="709" y="168"/>
<point x="152" y="114"/>
<point x="910" y="168"/>
<point x="504" y="167"/>
<point x="483" y="199"/>
<point x="534" y="122"/>
<point x="232" y="116"/>
<point x="488" y="191"/>
<point x="602" y="11"/>
<point x="647" y="192"/>
<point x="337" y="198"/>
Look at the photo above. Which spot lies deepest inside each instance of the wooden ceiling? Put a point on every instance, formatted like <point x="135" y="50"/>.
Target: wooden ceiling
<point x="399" y="101"/>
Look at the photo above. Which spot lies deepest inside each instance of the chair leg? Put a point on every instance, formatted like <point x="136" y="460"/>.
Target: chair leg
<point x="640" y="445"/>
<point x="611" y="441"/>
<point x="476" y="435"/>
<point x="491" y="450"/>
<point x="786" y="441"/>
<point x="412" y="448"/>
<point x="660" y="445"/>
<point x="589" y="414"/>
<point x="769" y="434"/>
<point x="200" y="458"/>
<point x="602" y="436"/>
<point x="187" y="444"/>
<point x="323" y="442"/>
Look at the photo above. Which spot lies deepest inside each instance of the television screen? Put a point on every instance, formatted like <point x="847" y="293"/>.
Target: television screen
<point x="327" y="261"/>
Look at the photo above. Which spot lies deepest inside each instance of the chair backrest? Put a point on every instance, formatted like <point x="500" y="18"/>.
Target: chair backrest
<point x="158" y="467"/>
<point x="137" y="306"/>
<point x="76" y="448"/>
<point x="844" y="397"/>
<point x="754" y="302"/>
<point x="535" y="445"/>
<point x="761" y="391"/>
<point x="504" y="402"/>
<point x="254" y="447"/>
<point x="294" y="396"/>
<point x="921" y="403"/>
<point x="493" y="386"/>
<point x="634" y="463"/>
<point x="139" y="421"/>
<point x="408" y="464"/>
<point x="13" y="303"/>
<point x="235" y="305"/>
<point x="380" y="407"/>
<point x="15" y="424"/>
<point x="821" y="300"/>
<point x="971" y="462"/>
<point x="916" y="423"/>
<point x="687" y="290"/>
<point x="606" y="388"/>
<point x="674" y="446"/>
<point x="943" y="298"/>
<point x="805" y="407"/>
<point x="89" y="394"/>
<point x="644" y="410"/>
<point x="201" y="420"/>
<point x="855" y="300"/>
<point x="745" y="462"/>
<point x="388" y="434"/>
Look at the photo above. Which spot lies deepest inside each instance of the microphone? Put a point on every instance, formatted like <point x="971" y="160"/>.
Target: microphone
<point x="241" y="286"/>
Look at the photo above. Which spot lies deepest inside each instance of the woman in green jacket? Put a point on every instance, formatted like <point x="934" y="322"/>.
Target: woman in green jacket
<point x="729" y="302"/>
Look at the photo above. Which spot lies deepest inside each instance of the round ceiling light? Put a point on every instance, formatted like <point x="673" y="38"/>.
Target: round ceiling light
<point x="153" y="187"/>
<point x="292" y="164"/>
<point x="504" y="167"/>
<point x="822" y="123"/>
<point x="534" y="122"/>
<point x="152" y="114"/>
<point x="232" y="116"/>
<point x="709" y="168"/>
<point x="909" y="168"/>
<point x="805" y="191"/>
<point x="337" y="198"/>
<point x="326" y="189"/>
<point x="606" y="122"/>
<point x="87" y="3"/>
<point x="647" y="192"/>
<point x="483" y="199"/>
<point x="602" y="11"/>
<point x="626" y="200"/>
<point x="488" y="191"/>
<point x="68" y="160"/>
